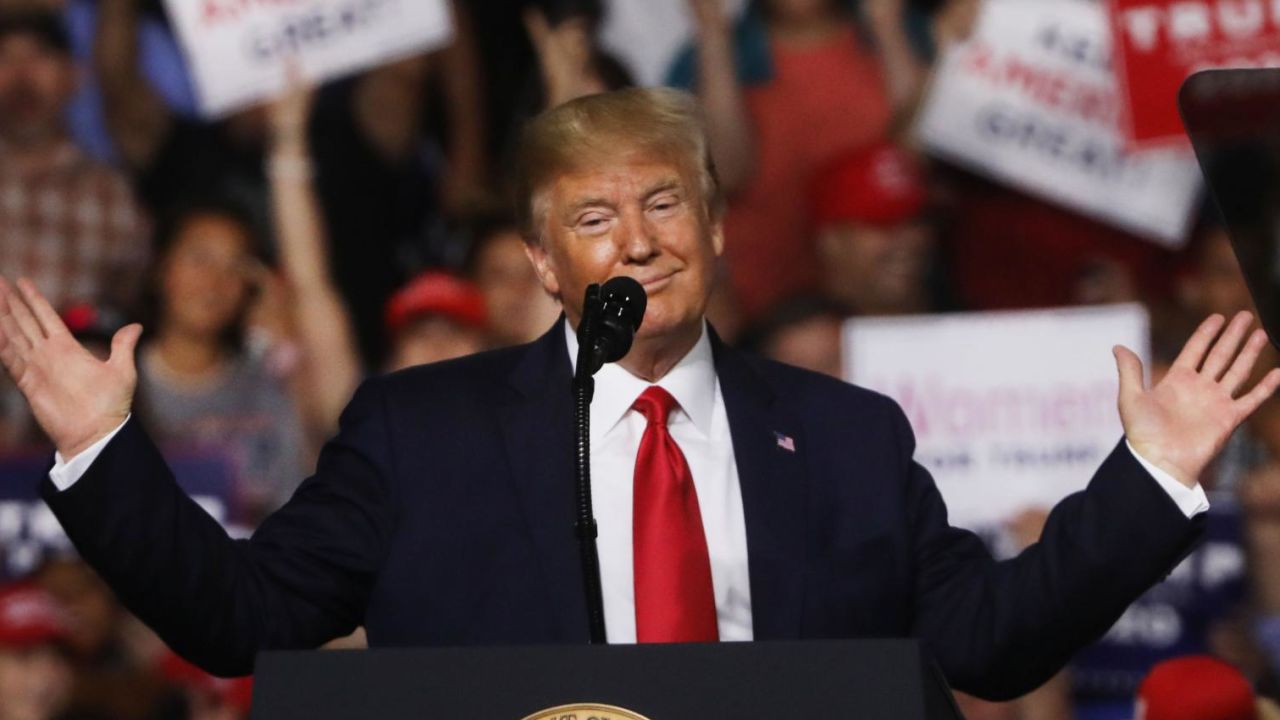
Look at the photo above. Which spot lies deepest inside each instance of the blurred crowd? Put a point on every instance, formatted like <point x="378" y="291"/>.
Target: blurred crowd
<point x="279" y="255"/>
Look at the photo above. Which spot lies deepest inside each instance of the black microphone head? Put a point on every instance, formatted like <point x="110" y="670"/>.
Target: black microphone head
<point x="624" y="301"/>
<point x="628" y="296"/>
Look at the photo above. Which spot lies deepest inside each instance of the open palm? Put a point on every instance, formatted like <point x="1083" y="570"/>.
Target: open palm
<point x="75" y="397"/>
<point x="1184" y="421"/>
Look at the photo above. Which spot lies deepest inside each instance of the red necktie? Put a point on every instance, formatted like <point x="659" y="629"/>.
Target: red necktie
<point x="674" y="597"/>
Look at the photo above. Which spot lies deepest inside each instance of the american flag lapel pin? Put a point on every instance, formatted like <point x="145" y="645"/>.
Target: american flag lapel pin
<point x="786" y="442"/>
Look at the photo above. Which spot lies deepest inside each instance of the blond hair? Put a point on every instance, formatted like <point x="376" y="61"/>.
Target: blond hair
<point x="656" y="122"/>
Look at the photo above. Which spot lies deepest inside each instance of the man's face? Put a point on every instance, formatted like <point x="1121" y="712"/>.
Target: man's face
<point x="875" y="270"/>
<point x="35" y="84"/>
<point x="640" y="217"/>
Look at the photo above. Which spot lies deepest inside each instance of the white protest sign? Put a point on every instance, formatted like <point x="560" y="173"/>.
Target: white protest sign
<point x="1031" y="100"/>
<point x="237" y="48"/>
<point x="1011" y="410"/>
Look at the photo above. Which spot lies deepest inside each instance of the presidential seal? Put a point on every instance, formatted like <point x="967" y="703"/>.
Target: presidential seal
<point x="585" y="711"/>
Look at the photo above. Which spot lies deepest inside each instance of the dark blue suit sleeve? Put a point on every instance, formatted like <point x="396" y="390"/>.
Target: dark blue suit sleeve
<point x="304" y="577"/>
<point x="1000" y="629"/>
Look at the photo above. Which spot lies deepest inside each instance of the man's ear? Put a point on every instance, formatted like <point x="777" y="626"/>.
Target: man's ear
<point x="717" y="236"/>
<point x="541" y="260"/>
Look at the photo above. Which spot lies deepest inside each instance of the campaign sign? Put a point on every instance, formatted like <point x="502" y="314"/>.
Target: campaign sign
<point x="237" y="48"/>
<point x="29" y="532"/>
<point x="1031" y="100"/>
<point x="1160" y="43"/>
<point x="1011" y="410"/>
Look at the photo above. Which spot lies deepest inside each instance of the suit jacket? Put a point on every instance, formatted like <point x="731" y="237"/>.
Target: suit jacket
<point x="443" y="514"/>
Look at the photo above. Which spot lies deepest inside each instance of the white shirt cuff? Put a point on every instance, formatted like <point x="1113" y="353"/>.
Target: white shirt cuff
<point x="65" y="472"/>
<point x="1190" y="500"/>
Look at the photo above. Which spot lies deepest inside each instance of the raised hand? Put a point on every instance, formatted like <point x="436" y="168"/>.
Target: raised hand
<point x="288" y="113"/>
<point x="709" y="15"/>
<point x="76" y="398"/>
<point x="1183" y="422"/>
<point x="564" y="55"/>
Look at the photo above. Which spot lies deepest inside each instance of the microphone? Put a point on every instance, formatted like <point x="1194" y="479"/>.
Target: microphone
<point x="612" y="314"/>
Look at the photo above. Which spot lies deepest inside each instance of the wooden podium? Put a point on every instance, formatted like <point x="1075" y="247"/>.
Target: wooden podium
<point x="864" y="679"/>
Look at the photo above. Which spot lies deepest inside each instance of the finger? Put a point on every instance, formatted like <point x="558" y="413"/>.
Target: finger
<point x="535" y="23"/>
<point x="10" y="331"/>
<point x="1258" y="395"/>
<point x="124" y="344"/>
<point x="44" y="313"/>
<point x="11" y="357"/>
<point x="1130" y="367"/>
<point x="22" y="322"/>
<point x="1227" y="345"/>
<point x="1193" y="352"/>
<point x="1243" y="365"/>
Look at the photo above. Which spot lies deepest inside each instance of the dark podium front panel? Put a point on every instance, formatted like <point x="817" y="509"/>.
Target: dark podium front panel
<point x="865" y="679"/>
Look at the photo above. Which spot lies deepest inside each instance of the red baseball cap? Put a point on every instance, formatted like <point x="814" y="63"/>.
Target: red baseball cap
<point x="879" y="185"/>
<point x="1197" y="687"/>
<point x="236" y="692"/>
<point x="30" y="616"/>
<point x="437" y="293"/>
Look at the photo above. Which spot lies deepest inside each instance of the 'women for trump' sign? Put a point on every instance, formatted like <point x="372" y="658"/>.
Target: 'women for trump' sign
<point x="237" y="49"/>
<point x="1012" y="410"/>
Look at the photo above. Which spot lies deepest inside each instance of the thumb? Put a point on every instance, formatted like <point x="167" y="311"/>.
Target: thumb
<point x="1130" y="367"/>
<point x="123" y="345"/>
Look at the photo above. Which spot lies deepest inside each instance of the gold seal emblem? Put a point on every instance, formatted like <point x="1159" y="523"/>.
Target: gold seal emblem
<point x="585" y="711"/>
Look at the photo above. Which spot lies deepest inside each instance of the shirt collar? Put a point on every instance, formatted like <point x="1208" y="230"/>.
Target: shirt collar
<point x="692" y="382"/>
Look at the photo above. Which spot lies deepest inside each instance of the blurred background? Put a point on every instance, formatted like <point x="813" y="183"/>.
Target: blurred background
<point x="891" y="165"/>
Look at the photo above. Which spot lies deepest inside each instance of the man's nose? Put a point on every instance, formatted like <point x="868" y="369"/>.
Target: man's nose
<point x="638" y="238"/>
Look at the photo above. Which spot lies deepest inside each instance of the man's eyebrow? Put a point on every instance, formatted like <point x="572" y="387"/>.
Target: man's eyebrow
<point x="664" y="186"/>
<point x="588" y="202"/>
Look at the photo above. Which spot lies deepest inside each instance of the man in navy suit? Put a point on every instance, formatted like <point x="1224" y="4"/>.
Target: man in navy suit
<point x="737" y="498"/>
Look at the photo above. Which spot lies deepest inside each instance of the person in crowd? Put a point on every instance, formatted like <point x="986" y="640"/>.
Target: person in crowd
<point x="804" y="332"/>
<point x="794" y="85"/>
<point x="205" y="697"/>
<point x="70" y="223"/>
<point x="437" y="316"/>
<point x="35" y="672"/>
<point x="1199" y="687"/>
<point x="519" y="309"/>
<point x="1048" y="256"/>
<point x="318" y="317"/>
<point x="383" y="179"/>
<point x="199" y="384"/>
<point x="571" y="63"/>
<point x="111" y="651"/>
<point x="874" y="237"/>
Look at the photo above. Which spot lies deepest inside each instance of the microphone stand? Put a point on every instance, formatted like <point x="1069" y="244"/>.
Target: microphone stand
<point x="585" y="527"/>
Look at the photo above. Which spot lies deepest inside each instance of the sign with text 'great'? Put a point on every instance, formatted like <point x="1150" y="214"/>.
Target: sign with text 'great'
<point x="1011" y="410"/>
<point x="1160" y="43"/>
<point x="237" y="48"/>
<point x="1031" y="100"/>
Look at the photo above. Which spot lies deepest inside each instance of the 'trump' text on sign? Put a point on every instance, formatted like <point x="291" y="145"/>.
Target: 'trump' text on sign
<point x="1160" y="43"/>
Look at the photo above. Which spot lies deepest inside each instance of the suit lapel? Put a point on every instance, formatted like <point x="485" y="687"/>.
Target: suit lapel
<point x="772" y="476"/>
<point x="537" y="430"/>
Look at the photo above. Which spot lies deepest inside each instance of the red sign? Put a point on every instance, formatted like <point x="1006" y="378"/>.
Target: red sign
<point x="1160" y="43"/>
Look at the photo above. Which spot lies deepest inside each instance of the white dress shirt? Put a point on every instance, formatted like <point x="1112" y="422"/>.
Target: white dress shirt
<point x="701" y="428"/>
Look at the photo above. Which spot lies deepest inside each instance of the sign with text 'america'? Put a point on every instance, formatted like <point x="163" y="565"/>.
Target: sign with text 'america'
<point x="1012" y="410"/>
<point x="237" y="48"/>
<point x="1031" y="100"/>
